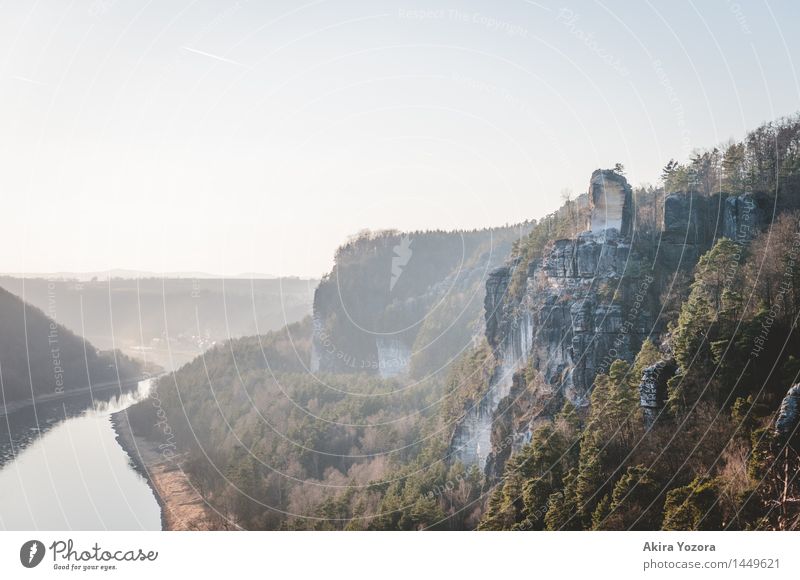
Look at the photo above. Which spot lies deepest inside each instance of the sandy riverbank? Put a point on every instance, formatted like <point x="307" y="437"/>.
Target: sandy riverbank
<point x="182" y="508"/>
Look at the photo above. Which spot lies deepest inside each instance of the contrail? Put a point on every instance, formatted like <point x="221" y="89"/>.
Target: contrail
<point x="538" y="5"/>
<point x="27" y="80"/>
<point x="222" y="58"/>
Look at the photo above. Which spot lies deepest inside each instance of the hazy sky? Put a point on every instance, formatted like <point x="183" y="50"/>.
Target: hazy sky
<point x="253" y="136"/>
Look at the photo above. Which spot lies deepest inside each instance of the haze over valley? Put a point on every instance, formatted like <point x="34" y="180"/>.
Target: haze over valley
<point x="359" y="266"/>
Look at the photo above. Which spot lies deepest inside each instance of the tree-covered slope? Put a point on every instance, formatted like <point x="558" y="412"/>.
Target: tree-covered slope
<point x="700" y="429"/>
<point x="692" y="426"/>
<point x="38" y="356"/>
<point x="406" y="304"/>
<point x="271" y="445"/>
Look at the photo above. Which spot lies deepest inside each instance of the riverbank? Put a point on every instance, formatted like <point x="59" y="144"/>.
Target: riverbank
<point x="123" y="386"/>
<point x="182" y="507"/>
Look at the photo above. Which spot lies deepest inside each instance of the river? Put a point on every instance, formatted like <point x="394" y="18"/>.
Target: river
<point x="61" y="468"/>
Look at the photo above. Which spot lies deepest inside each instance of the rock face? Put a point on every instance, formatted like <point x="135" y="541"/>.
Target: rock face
<point x="585" y="304"/>
<point x="684" y="237"/>
<point x="653" y="389"/>
<point x="611" y="203"/>
<point x="789" y="415"/>
<point x="685" y="218"/>
<point x="394" y="357"/>
<point x="742" y="218"/>
<point x="472" y="441"/>
<point x="693" y="222"/>
<point x="588" y="301"/>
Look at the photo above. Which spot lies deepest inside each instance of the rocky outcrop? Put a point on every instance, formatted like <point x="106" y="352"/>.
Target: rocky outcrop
<point x="493" y="302"/>
<point x="585" y="304"/>
<point x="394" y="357"/>
<point x="685" y="236"/>
<point x="611" y="202"/>
<point x="789" y="415"/>
<point x="653" y="389"/>
<point x="472" y="440"/>
<point x="584" y="308"/>
<point x="742" y="218"/>
<point x="693" y="222"/>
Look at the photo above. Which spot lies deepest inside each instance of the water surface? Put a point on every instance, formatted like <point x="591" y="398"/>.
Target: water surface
<point x="61" y="468"/>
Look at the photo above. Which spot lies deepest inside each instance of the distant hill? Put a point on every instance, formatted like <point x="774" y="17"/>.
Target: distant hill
<point x="167" y="321"/>
<point x="135" y="274"/>
<point x="40" y="356"/>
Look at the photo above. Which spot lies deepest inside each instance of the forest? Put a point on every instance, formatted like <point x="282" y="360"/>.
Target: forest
<point x="271" y="445"/>
<point x="43" y="357"/>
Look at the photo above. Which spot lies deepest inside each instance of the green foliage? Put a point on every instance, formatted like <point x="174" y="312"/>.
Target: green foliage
<point x="707" y="323"/>
<point x="317" y="446"/>
<point x="547" y="485"/>
<point x="530" y="477"/>
<point x="648" y="355"/>
<point x="347" y="451"/>
<point x="743" y="416"/>
<point x="759" y="463"/>
<point x="767" y="160"/>
<point x="693" y="507"/>
<point x="632" y="505"/>
<point x="589" y="481"/>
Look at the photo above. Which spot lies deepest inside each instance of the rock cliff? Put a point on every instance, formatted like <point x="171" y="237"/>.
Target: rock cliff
<point x="693" y="222"/>
<point x="585" y="304"/>
<point x="789" y="415"/>
<point x="653" y="389"/>
<point x="589" y="300"/>
<point x="611" y="200"/>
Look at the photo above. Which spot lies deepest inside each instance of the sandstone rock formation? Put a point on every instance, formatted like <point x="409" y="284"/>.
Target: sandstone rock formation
<point x="684" y="235"/>
<point x="693" y="222"/>
<point x="789" y="415"/>
<point x="611" y="202"/>
<point x="653" y="389"/>
<point x="742" y="218"/>
<point x="585" y="304"/>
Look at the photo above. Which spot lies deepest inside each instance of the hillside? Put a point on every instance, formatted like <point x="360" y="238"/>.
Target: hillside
<point x="630" y="363"/>
<point x="405" y="304"/>
<point x="654" y="388"/>
<point x="272" y="417"/>
<point x="268" y="443"/>
<point x="168" y="321"/>
<point x="39" y="356"/>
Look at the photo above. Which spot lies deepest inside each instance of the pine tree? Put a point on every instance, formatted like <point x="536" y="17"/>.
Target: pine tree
<point x="693" y="507"/>
<point x="561" y="506"/>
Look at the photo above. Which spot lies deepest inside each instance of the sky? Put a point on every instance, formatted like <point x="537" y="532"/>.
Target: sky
<point x="230" y="137"/>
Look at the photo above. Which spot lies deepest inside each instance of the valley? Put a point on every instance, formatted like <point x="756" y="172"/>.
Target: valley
<point x="590" y="370"/>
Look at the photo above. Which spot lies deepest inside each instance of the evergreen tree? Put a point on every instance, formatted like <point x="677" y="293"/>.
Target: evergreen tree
<point x="693" y="507"/>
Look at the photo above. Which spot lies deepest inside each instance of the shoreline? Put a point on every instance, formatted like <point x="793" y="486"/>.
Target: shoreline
<point x="12" y="407"/>
<point x="182" y="508"/>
